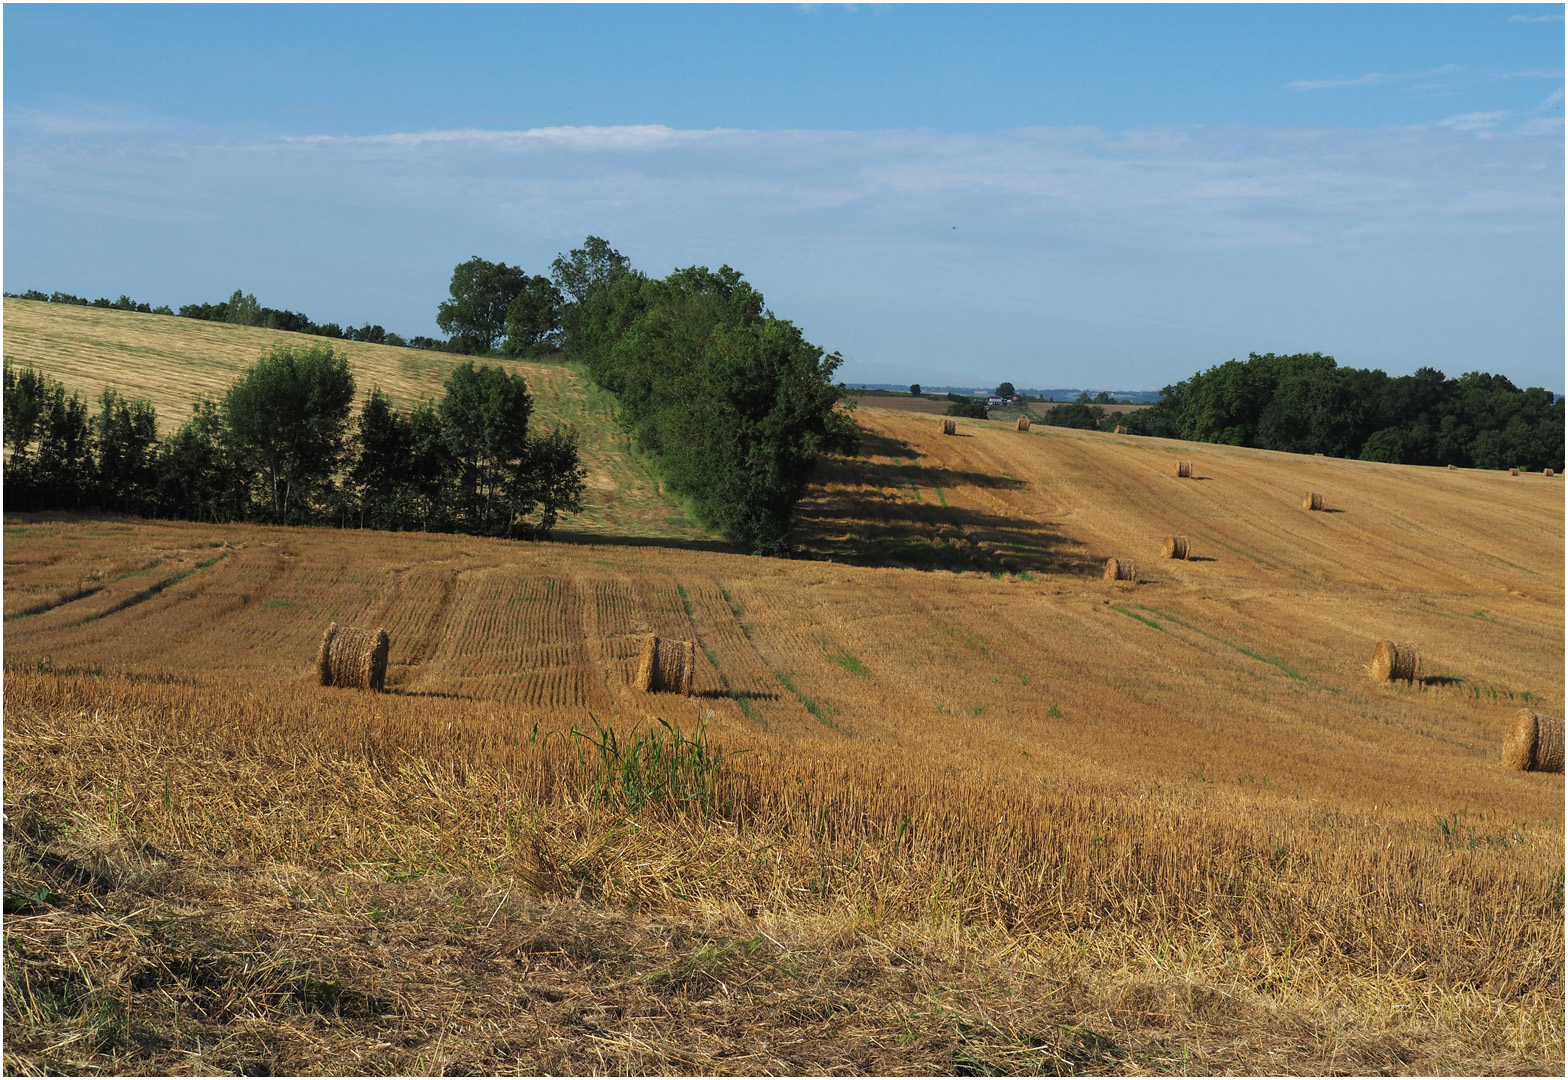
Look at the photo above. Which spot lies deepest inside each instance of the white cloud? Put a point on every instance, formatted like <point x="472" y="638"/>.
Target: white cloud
<point x="1558" y="17"/>
<point x="1474" y="121"/>
<point x="1374" y="78"/>
<point x="626" y="137"/>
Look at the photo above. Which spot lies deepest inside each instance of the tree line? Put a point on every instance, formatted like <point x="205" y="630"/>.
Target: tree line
<point x="729" y="403"/>
<point x="242" y="309"/>
<point x="279" y="447"/>
<point x="1305" y="403"/>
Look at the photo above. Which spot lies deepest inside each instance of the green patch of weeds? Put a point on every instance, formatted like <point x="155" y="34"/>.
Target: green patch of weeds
<point x="815" y="709"/>
<point x="843" y="659"/>
<point x="968" y="638"/>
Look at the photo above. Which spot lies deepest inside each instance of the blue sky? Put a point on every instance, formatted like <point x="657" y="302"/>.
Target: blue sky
<point x="1096" y="196"/>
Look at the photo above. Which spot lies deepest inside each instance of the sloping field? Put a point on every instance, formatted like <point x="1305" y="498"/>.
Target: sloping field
<point x="173" y="362"/>
<point x="1181" y="798"/>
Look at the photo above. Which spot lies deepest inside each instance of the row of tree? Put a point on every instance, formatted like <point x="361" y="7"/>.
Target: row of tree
<point x="1305" y="403"/>
<point x="279" y="447"/>
<point x="242" y="309"/>
<point x="729" y="403"/>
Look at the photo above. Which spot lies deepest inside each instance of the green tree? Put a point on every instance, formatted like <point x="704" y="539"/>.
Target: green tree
<point x="973" y="408"/>
<point x="914" y="389"/>
<point x="481" y="293"/>
<point x="127" y="435"/>
<point x="242" y="309"/>
<point x="287" y="416"/>
<point x="506" y="484"/>
<point x="533" y="320"/>
<point x="1006" y="391"/>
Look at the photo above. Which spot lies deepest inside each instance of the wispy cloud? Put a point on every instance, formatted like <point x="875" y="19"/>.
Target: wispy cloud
<point x="1558" y="17"/>
<point x="1474" y="121"/>
<point x="625" y="137"/>
<point x="1374" y="78"/>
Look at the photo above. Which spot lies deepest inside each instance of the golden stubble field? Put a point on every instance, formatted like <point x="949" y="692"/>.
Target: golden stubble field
<point x="1177" y="810"/>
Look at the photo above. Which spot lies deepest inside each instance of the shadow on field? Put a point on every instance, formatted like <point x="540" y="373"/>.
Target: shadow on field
<point x="729" y="695"/>
<point x="895" y="512"/>
<point x="570" y="536"/>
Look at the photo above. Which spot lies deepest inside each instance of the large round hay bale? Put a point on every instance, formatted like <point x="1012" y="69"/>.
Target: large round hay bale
<point x="353" y="657"/>
<point x="1453" y="468"/>
<point x="1312" y="501"/>
<point x="1121" y="429"/>
<point x="665" y="666"/>
<point x="1513" y="472"/>
<point x="1534" y="742"/>
<point x="1023" y="423"/>
<point x="1395" y="660"/>
<point x="949" y="427"/>
<point x="1120" y="570"/>
<point x="1547" y="472"/>
<point x="1175" y="547"/>
<point x="1184" y="469"/>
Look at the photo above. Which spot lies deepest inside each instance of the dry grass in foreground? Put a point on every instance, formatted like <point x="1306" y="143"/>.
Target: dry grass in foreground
<point x="277" y="878"/>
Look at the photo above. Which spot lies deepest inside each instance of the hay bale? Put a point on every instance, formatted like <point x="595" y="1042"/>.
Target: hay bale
<point x="949" y="427"/>
<point x="1395" y="660"/>
<point x="1175" y="547"/>
<point x="1023" y="423"/>
<point x="1453" y="468"/>
<point x="1547" y="472"/>
<point x="1120" y="570"/>
<point x="353" y="657"/>
<point x="1513" y="472"/>
<point x="1121" y="429"/>
<point x="1184" y="469"/>
<point x="665" y="666"/>
<point x="1534" y="743"/>
<point x="1312" y="501"/>
<point x="1318" y="454"/>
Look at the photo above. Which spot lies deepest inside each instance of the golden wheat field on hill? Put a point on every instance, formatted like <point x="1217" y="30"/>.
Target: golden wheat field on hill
<point x="942" y="800"/>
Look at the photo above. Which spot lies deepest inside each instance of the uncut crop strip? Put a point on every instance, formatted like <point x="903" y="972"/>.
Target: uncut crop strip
<point x="743" y="677"/>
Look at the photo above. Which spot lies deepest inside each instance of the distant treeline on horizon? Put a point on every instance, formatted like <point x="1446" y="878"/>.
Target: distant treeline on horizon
<point x="242" y="309"/>
<point x="1303" y="403"/>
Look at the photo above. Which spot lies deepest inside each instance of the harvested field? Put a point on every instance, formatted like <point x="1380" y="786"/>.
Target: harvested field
<point x="953" y="765"/>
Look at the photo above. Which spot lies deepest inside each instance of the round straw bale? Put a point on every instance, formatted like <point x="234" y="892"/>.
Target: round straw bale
<point x="1547" y="472"/>
<point x="1453" y="468"/>
<point x="1175" y="547"/>
<point x="1120" y="430"/>
<point x="1318" y="454"/>
<point x="353" y="657"/>
<point x="949" y="427"/>
<point x="647" y="664"/>
<point x="1120" y="570"/>
<point x="1513" y="472"/>
<point x="1023" y="423"/>
<point x="1395" y="660"/>
<point x="1312" y="501"/>
<point x="665" y="666"/>
<point x="1534" y="742"/>
<point x="1184" y="469"/>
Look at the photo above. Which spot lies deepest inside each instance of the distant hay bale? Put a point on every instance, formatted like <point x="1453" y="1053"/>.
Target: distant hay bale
<point x="1312" y="501"/>
<point x="1175" y="547"/>
<point x="1395" y="660"/>
<point x="1184" y="469"/>
<point x="1547" y="472"/>
<point x="1513" y="472"/>
<point x="1121" y="429"/>
<point x="1120" y="570"/>
<point x="949" y="427"/>
<point x="353" y="657"/>
<point x="1023" y="423"/>
<point x="665" y="666"/>
<point x="1318" y="454"/>
<point x="1453" y="468"/>
<point x="1534" y="743"/>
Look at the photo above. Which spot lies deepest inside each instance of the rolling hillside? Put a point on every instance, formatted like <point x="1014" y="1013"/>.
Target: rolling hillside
<point x="172" y="362"/>
<point x="941" y="719"/>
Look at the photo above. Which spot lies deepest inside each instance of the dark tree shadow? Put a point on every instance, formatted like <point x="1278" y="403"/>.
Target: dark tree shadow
<point x="877" y="513"/>
<point x="1440" y="680"/>
<point x="749" y="695"/>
